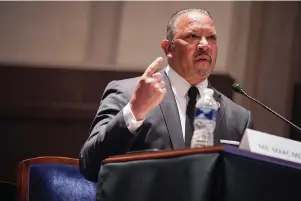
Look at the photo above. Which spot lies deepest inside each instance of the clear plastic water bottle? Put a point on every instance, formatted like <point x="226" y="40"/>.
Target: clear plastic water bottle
<point x="205" y="120"/>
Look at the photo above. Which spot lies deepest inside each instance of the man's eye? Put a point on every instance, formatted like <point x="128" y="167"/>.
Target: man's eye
<point x="192" y="36"/>
<point x="212" y="37"/>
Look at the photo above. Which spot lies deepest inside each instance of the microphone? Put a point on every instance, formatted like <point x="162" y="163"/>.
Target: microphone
<point x="238" y="89"/>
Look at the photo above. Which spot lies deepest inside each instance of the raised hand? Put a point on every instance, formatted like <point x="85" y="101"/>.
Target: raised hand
<point x="149" y="91"/>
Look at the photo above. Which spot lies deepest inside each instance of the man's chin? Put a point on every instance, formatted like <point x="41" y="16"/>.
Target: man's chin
<point x="203" y="71"/>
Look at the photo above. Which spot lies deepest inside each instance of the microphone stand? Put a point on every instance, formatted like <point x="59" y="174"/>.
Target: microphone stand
<point x="238" y="89"/>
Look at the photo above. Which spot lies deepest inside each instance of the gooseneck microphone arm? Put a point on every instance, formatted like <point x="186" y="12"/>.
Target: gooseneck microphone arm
<point x="238" y="89"/>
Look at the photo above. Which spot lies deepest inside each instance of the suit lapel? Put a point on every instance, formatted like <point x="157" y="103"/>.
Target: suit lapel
<point x="172" y="119"/>
<point x="171" y="115"/>
<point x="219" y="115"/>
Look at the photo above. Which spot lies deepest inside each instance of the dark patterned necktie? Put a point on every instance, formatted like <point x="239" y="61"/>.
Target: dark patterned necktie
<point x="190" y="113"/>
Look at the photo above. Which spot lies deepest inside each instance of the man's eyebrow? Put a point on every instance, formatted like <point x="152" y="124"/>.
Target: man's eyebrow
<point x="207" y="30"/>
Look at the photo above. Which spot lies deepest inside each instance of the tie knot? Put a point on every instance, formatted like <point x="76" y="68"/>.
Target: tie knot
<point x="192" y="93"/>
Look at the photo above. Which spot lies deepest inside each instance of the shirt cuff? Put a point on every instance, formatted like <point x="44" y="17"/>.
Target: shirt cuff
<point x="130" y="120"/>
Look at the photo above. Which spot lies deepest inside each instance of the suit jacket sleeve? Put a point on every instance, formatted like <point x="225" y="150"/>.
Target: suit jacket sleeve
<point x="109" y="134"/>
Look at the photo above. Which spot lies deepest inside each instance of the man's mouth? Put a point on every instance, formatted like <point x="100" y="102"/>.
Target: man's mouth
<point x="202" y="58"/>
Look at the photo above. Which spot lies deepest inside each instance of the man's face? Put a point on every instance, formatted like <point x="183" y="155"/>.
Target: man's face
<point x="193" y="51"/>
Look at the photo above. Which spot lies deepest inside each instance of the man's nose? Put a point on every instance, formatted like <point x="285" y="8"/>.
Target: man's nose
<point x="203" y="44"/>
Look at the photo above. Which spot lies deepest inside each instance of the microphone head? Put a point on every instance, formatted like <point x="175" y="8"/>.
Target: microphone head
<point x="237" y="88"/>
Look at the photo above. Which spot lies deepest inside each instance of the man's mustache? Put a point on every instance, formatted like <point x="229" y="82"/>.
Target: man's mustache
<point x="204" y="53"/>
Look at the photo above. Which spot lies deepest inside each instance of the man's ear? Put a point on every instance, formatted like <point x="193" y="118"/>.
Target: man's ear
<point x="167" y="48"/>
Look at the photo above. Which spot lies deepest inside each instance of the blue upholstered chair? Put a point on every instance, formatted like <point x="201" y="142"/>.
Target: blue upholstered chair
<point x="53" y="179"/>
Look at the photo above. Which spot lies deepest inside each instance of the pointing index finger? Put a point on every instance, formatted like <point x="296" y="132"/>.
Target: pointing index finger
<point x="154" y="67"/>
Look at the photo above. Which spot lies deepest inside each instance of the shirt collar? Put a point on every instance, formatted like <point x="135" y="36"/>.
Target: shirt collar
<point x="179" y="85"/>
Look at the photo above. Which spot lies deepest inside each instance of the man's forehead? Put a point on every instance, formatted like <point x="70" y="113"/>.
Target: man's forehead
<point x="194" y="17"/>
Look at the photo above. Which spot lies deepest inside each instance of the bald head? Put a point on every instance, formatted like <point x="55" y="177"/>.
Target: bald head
<point x="171" y="26"/>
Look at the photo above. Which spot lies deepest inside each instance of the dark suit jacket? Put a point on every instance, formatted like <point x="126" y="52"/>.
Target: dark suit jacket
<point x="161" y="128"/>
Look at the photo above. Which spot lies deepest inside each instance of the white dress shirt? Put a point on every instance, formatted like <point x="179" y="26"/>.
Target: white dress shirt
<point x="180" y="88"/>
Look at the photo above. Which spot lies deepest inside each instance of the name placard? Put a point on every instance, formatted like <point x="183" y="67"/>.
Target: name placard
<point x="271" y="145"/>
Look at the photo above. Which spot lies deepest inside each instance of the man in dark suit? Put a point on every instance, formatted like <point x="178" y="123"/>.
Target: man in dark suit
<point x="149" y="112"/>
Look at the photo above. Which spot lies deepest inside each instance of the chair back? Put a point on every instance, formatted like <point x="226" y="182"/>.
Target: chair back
<point x="52" y="178"/>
